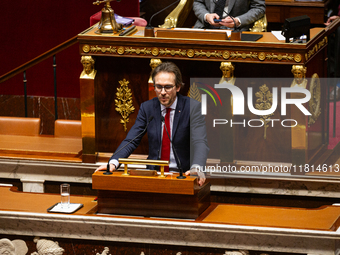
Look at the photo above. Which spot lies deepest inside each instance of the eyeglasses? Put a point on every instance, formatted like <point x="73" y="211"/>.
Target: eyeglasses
<point x="167" y="88"/>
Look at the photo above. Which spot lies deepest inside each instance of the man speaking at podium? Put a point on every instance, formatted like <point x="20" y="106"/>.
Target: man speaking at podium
<point x="228" y="14"/>
<point x="169" y="117"/>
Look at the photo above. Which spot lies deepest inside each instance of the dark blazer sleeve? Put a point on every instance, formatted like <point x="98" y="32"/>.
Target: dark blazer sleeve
<point x="200" y="8"/>
<point x="135" y="131"/>
<point x="189" y="133"/>
<point x="198" y="135"/>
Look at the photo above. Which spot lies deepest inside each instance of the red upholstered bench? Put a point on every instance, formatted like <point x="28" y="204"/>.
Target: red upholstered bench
<point x="138" y="21"/>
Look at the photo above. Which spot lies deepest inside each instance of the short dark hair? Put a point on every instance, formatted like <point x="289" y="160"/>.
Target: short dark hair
<point x="168" y="67"/>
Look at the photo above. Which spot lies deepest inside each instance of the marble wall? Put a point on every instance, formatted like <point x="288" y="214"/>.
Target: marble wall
<point x="40" y="107"/>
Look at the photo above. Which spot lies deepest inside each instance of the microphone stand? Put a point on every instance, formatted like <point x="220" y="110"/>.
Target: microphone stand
<point x="235" y="34"/>
<point x="181" y="176"/>
<point x="149" y="30"/>
<point x="108" y="172"/>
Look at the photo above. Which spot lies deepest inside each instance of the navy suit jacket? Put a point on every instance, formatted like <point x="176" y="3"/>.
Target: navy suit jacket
<point x="188" y="132"/>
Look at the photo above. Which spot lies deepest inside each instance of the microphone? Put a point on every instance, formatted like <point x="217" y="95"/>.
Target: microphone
<point x="149" y="29"/>
<point x="181" y="176"/>
<point x="108" y="164"/>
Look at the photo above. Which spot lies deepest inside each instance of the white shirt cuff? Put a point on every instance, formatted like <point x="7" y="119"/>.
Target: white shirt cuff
<point x="114" y="162"/>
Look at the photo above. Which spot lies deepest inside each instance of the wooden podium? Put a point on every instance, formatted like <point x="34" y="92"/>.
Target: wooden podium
<point x="151" y="196"/>
<point x="126" y="60"/>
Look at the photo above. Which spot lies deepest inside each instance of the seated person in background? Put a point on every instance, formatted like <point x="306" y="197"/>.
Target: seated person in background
<point x="334" y="45"/>
<point x="334" y="11"/>
<point x="184" y="122"/>
<point x="243" y="13"/>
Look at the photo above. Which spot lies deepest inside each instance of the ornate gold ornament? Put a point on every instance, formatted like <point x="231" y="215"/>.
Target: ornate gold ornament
<point x="191" y="53"/>
<point x="262" y="56"/>
<point x="297" y="58"/>
<point x="194" y="92"/>
<point x="260" y="25"/>
<point x="88" y="67"/>
<point x="177" y="17"/>
<point x="86" y="48"/>
<point x="227" y="69"/>
<point x="154" y="62"/>
<point x="123" y="102"/>
<point x="138" y="51"/>
<point x="243" y="55"/>
<point x="155" y="52"/>
<point x="264" y="101"/>
<point x="173" y="52"/>
<point x="95" y="49"/>
<point x="299" y="72"/>
<point x="314" y="102"/>
<point x="280" y="57"/>
<point x="226" y="54"/>
<point x="120" y="50"/>
<point x="316" y="48"/>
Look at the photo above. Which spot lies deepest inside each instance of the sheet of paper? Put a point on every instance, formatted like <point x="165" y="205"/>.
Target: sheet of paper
<point x="65" y="209"/>
<point x="278" y="35"/>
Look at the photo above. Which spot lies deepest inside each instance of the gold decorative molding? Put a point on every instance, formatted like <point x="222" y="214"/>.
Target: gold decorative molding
<point x="264" y="101"/>
<point x="315" y="101"/>
<point x="280" y="57"/>
<point x="193" y="53"/>
<point x="316" y="48"/>
<point x="243" y="55"/>
<point x="124" y="105"/>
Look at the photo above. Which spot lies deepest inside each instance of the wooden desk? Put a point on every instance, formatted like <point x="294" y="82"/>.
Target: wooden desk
<point x="41" y="147"/>
<point x="253" y="228"/>
<point x="279" y="11"/>
<point x="120" y="58"/>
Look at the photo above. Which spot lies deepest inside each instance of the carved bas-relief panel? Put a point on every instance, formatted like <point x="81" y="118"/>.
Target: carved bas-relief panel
<point x="42" y="246"/>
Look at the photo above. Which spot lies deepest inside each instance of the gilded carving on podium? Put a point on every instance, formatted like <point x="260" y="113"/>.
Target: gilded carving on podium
<point x="299" y="72"/>
<point x="264" y="101"/>
<point x="88" y="67"/>
<point x="123" y="101"/>
<point x="315" y="101"/>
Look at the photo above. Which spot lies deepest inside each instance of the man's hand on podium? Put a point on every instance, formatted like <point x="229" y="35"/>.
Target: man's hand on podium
<point x="195" y="171"/>
<point x="104" y="167"/>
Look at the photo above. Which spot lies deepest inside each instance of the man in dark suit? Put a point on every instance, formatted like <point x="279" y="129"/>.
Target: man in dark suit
<point x="243" y="13"/>
<point x="184" y="122"/>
